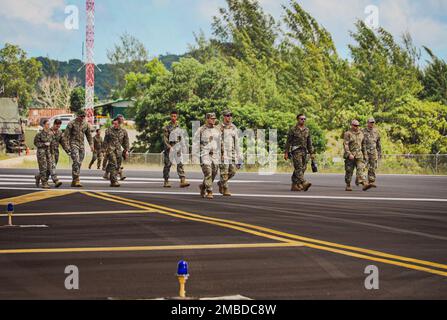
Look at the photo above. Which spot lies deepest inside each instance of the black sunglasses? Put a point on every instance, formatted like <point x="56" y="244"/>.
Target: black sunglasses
<point x="228" y="115"/>
<point x="303" y="119"/>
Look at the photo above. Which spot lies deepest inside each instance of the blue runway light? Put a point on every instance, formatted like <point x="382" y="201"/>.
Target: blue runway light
<point x="10" y="207"/>
<point x="182" y="269"/>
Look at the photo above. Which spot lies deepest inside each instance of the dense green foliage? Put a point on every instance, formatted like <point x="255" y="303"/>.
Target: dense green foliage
<point x="18" y="74"/>
<point x="267" y="73"/>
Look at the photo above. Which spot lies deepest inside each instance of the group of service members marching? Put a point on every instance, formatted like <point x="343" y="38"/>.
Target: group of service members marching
<point x="362" y="150"/>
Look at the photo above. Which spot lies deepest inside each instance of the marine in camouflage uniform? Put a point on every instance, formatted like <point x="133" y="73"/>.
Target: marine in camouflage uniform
<point x="43" y="141"/>
<point x="209" y="136"/>
<point x="355" y="155"/>
<point x="116" y="143"/>
<point x="74" y="135"/>
<point x="169" y="146"/>
<point x="299" y="145"/>
<point x="58" y="140"/>
<point x="231" y="157"/>
<point x="97" y="154"/>
<point x="373" y="149"/>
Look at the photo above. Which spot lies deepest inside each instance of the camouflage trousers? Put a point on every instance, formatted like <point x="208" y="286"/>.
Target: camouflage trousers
<point x="97" y="156"/>
<point x="167" y="167"/>
<point x="54" y="165"/>
<point x="114" y="162"/>
<point x="359" y="165"/>
<point x="77" y="156"/>
<point x="372" y="165"/>
<point x="299" y="164"/>
<point x="209" y="174"/>
<point x="45" y="162"/>
<point x="227" y="172"/>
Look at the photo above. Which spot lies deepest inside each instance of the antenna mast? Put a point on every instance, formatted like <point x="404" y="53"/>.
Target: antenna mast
<point x="89" y="62"/>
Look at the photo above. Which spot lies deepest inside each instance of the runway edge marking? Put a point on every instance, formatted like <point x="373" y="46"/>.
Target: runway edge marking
<point x="309" y="242"/>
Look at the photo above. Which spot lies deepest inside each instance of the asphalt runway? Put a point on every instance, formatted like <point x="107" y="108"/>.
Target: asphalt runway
<point x="264" y="242"/>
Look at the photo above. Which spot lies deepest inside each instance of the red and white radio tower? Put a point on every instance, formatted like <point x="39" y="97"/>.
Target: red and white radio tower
<point x="89" y="62"/>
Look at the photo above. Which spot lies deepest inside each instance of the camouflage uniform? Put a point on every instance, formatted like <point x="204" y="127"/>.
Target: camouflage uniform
<point x="209" y="138"/>
<point x="114" y="140"/>
<point x="43" y="141"/>
<point x="374" y="151"/>
<point x="74" y="135"/>
<point x="58" y="139"/>
<point x="97" y="154"/>
<point x="354" y="144"/>
<point x="299" y="142"/>
<point x="230" y="153"/>
<point x="168" y="145"/>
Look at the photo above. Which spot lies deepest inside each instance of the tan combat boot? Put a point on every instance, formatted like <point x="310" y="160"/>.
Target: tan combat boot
<point x="348" y="187"/>
<point x="209" y="195"/>
<point x="76" y="184"/>
<point x="221" y="189"/>
<point x="372" y="184"/>
<point x="183" y="183"/>
<point x="202" y="191"/>
<point x="306" y="186"/>
<point x="57" y="183"/>
<point x="226" y="192"/>
<point x="115" y="184"/>
<point x="166" y="184"/>
<point x="45" y="185"/>
<point x="296" y="188"/>
<point x="366" y="186"/>
<point x="357" y="182"/>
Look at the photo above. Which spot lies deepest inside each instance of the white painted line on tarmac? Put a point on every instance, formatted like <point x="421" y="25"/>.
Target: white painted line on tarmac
<point x="11" y="177"/>
<point x="241" y="195"/>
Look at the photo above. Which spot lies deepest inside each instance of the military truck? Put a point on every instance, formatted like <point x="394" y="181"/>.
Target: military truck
<point x="12" y="136"/>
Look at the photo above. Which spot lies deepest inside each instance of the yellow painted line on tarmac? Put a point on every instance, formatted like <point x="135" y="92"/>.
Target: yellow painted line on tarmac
<point x="309" y="242"/>
<point x="35" y="196"/>
<point x="153" y="248"/>
<point x="198" y="219"/>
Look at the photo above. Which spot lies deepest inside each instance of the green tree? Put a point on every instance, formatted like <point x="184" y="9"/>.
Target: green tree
<point x="129" y="55"/>
<point x="18" y="74"/>
<point x="434" y="79"/>
<point x="77" y="99"/>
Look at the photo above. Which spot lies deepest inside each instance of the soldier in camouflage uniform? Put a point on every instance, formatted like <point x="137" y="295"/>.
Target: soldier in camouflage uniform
<point x="299" y="144"/>
<point x="210" y="147"/>
<point x="373" y="149"/>
<point x="97" y="155"/>
<point x="74" y="135"/>
<point x="169" y="145"/>
<point x="58" y="139"/>
<point x="43" y="141"/>
<point x="231" y="157"/>
<point x="116" y="139"/>
<point x="355" y="154"/>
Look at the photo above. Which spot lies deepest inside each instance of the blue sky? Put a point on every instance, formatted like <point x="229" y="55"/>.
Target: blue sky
<point x="168" y="25"/>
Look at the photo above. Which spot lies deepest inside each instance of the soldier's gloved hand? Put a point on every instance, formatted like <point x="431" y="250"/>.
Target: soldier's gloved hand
<point x="286" y="156"/>
<point x="351" y="157"/>
<point x="312" y="157"/>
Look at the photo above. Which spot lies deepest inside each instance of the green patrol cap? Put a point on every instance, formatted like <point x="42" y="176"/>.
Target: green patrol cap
<point x="355" y="123"/>
<point x="227" y="113"/>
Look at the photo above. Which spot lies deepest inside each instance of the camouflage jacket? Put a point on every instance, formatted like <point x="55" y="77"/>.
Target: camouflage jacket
<point x="42" y="139"/>
<point x="210" y="147"/>
<point x="372" y="142"/>
<point x="97" y="143"/>
<point x="115" y="139"/>
<point x="74" y="134"/>
<point x="58" y="139"/>
<point x="299" y="139"/>
<point x="167" y="143"/>
<point x="230" y="150"/>
<point x="354" y="143"/>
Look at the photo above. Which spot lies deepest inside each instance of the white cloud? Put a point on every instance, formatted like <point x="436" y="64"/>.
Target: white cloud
<point x="34" y="12"/>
